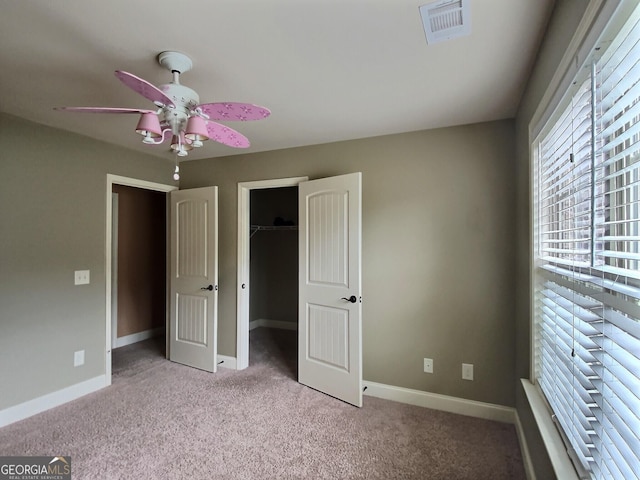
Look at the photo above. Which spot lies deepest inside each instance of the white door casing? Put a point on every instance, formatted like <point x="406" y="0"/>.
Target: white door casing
<point x="329" y="324"/>
<point x="115" y="207"/>
<point x="131" y="182"/>
<point x="194" y="277"/>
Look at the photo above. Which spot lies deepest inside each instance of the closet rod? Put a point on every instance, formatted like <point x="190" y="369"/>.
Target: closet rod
<point x="256" y="228"/>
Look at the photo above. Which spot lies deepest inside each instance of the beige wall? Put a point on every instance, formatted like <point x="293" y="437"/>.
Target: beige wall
<point x="562" y="26"/>
<point x="274" y="256"/>
<point x="438" y="250"/>
<point x="53" y="222"/>
<point x="141" y="259"/>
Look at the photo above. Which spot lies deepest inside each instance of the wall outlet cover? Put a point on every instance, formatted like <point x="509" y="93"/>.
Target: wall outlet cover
<point x="81" y="277"/>
<point x="78" y="358"/>
<point x="428" y="365"/>
<point x="467" y="371"/>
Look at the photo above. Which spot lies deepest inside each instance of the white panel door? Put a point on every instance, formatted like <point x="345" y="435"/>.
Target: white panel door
<point x="330" y="309"/>
<point x="194" y="277"/>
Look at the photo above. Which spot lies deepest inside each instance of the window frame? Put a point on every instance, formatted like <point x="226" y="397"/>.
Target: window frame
<point x="598" y="15"/>
<point x="602" y="20"/>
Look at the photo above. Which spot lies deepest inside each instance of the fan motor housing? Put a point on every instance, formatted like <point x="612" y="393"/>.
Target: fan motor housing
<point x="185" y="100"/>
<point x="183" y="97"/>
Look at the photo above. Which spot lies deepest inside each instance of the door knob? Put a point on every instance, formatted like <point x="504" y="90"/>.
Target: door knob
<point x="210" y="288"/>
<point x="351" y="299"/>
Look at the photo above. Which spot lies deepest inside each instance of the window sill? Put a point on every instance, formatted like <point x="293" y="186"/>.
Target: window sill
<point x="562" y="465"/>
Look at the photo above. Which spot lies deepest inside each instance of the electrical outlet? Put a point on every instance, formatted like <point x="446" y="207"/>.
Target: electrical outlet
<point x="81" y="277"/>
<point x="78" y="358"/>
<point x="467" y="371"/>
<point x="428" y="365"/>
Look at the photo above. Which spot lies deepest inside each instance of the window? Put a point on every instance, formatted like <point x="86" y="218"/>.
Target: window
<point x="586" y="172"/>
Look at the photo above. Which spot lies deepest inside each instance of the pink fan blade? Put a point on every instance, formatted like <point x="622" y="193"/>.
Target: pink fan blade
<point x="234" y="111"/>
<point x="144" y="88"/>
<point x="103" y="110"/>
<point x="227" y="136"/>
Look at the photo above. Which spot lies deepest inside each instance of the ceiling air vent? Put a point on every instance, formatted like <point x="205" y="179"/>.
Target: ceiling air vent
<point x="446" y="19"/>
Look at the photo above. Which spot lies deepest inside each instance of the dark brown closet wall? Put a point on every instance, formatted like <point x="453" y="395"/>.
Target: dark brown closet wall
<point x="141" y="259"/>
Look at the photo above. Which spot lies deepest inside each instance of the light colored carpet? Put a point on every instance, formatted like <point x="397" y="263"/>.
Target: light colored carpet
<point x="160" y="420"/>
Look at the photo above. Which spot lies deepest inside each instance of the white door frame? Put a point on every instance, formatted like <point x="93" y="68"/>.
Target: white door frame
<point x="129" y="182"/>
<point x="115" y="208"/>
<point x="244" y="224"/>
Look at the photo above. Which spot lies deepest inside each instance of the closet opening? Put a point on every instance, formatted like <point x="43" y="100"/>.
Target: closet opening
<point x="273" y="276"/>
<point x="245" y="232"/>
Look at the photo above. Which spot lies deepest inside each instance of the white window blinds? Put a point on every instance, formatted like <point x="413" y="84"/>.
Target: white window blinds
<point x="587" y="262"/>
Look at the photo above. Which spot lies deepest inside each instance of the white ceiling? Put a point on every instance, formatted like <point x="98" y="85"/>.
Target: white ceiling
<point x="329" y="70"/>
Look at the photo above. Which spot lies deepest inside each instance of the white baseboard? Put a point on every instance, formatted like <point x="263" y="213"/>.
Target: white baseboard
<point x="50" y="400"/>
<point x="263" y="322"/>
<point x="227" y="362"/>
<point x="138" y="337"/>
<point x="461" y="406"/>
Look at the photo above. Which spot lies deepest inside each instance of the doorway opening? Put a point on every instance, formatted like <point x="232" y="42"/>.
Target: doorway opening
<point x="140" y="291"/>
<point x="273" y="276"/>
<point x="138" y="294"/>
<point x="268" y="264"/>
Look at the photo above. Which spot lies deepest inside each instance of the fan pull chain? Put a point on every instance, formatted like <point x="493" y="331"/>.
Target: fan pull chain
<point x="176" y="172"/>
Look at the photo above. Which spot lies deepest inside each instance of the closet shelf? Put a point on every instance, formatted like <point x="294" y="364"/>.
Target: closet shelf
<point x="256" y="228"/>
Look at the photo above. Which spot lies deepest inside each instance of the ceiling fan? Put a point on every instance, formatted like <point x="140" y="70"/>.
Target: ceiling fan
<point x="180" y="113"/>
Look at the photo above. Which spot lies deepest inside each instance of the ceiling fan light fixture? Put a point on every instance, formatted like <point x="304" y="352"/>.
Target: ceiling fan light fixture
<point x="180" y="114"/>
<point x="149" y="139"/>
<point x="149" y="126"/>
<point x="180" y="146"/>
<point x="197" y="129"/>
